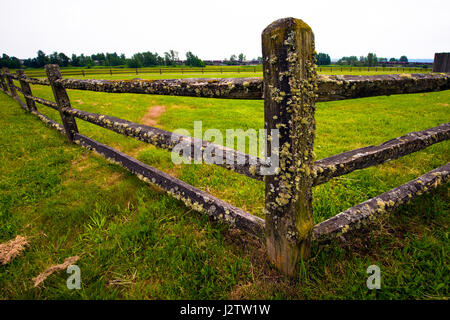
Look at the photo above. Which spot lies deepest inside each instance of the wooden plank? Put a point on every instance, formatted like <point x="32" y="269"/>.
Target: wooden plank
<point x="289" y="81"/>
<point x="363" y="213"/>
<point x="194" y="198"/>
<point x="344" y="163"/>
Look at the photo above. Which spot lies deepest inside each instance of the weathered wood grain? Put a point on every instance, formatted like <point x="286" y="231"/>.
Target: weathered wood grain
<point x="62" y="100"/>
<point x="289" y="82"/>
<point x="9" y="82"/>
<point x="26" y="90"/>
<point x="441" y="62"/>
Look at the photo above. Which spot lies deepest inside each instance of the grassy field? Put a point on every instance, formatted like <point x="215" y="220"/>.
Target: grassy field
<point x="208" y="71"/>
<point x="135" y="242"/>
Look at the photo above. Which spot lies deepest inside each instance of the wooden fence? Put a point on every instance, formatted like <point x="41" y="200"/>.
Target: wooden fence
<point x="290" y="88"/>
<point x="215" y="69"/>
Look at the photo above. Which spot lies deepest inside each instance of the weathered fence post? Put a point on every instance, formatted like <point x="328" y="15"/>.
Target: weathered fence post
<point x="10" y="82"/>
<point x="62" y="99"/>
<point x="26" y="90"/>
<point x="3" y="80"/>
<point x="441" y="62"/>
<point x="289" y="84"/>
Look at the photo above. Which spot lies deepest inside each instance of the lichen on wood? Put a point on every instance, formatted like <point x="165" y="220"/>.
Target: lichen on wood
<point x="289" y="104"/>
<point x="62" y="100"/>
<point x="329" y="87"/>
<point x="25" y="90"/>
<point x="353" y="218"/>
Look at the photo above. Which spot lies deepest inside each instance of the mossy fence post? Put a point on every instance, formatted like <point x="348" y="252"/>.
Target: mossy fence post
<point x="289" y="85"/>
<point x="10" y="82"/>
<point x="3" y="80"/>
<point x="62" y="99"/>
<point x="26" y="90"/>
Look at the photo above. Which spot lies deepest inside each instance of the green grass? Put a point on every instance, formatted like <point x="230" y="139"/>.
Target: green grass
<point x="135" y="242"/>
<point x="209" y="72"/>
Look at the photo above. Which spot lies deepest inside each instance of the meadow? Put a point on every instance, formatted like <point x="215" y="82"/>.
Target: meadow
<point x="136" y="242"/>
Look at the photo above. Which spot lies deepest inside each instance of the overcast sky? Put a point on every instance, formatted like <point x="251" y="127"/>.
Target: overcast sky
<point x="216" y="29"/>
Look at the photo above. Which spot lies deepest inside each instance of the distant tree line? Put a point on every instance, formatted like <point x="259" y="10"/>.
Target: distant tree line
<point x="140" y="59"/>
<point x="9" y="62"/>
<point x="235" y="60"/>
<point x="371" y="60"/>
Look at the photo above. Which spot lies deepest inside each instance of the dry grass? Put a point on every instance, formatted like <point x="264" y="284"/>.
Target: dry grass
<point x="13" y="248"/>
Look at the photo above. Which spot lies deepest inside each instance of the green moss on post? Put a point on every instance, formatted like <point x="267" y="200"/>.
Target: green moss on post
<point x="26" y="90"/>
<point x="289" y="97"/>
<point x="10" y="82"/>
<point x="3" y="80"/>
<point x="62" y="100"/>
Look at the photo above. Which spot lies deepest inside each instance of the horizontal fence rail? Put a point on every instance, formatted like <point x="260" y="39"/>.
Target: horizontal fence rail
<point x="329" y="88"/>
<point x="357" y="216"/>
<point x="344" y="163"/>
<point x="290" y="88"/>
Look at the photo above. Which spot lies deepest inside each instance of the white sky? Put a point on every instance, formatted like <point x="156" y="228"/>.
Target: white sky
<point x="216" y="29"/>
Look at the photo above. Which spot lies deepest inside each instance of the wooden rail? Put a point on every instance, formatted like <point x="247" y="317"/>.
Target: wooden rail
<point x="363" y="213"/>
<point x="290" y="88"/>
<point x="329" y="88"/>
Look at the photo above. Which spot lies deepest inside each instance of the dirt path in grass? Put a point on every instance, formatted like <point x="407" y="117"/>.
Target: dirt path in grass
<point x="152" y="116"/>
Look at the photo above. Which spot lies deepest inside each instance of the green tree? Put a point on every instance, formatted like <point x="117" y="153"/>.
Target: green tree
<point x="241" y="57"/>
<point x="134" y="62"/>
<point x="75" y="61"/>
<point x="193" y="60"/>
<point x="323" y="59"/>
<point x="170" y="58"/>
<point x="10" y="62"/>
<point x="372" y="60"/>
<point x="63" y="60"/>
<point x="41" y="59"/>
<point x="403" y="59"/>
